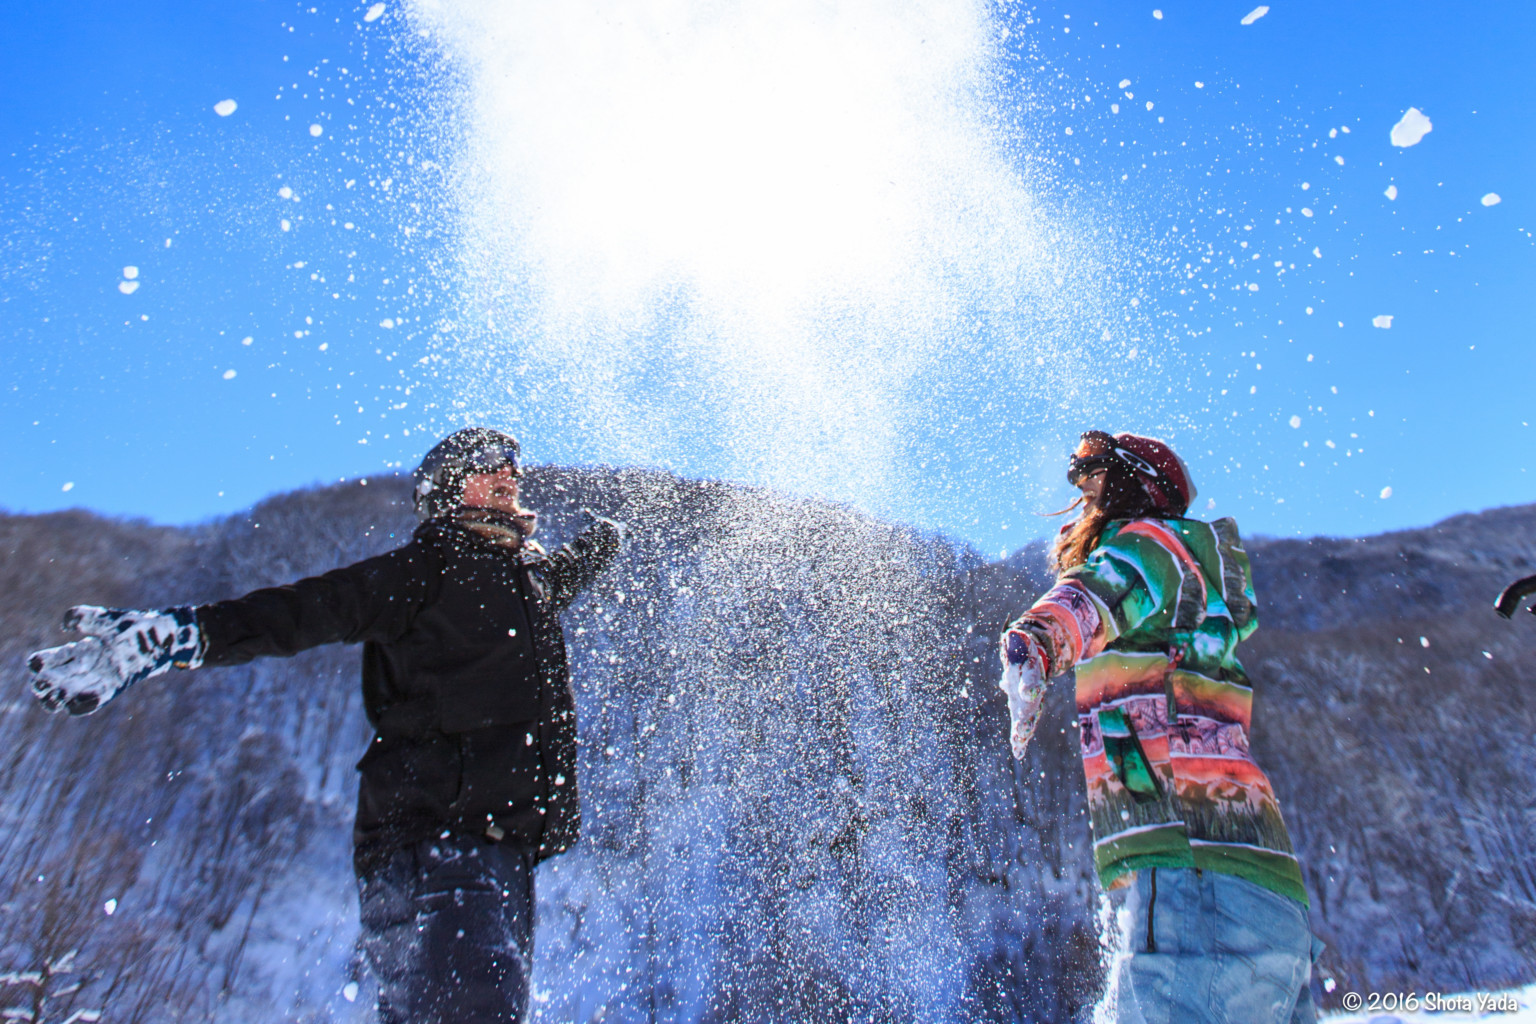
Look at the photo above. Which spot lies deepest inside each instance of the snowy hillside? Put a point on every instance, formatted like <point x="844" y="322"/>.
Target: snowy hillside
<point x="798" y="802"/>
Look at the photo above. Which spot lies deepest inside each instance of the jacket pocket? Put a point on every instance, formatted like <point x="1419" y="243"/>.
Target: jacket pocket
<point x="1127" y="759"/>
<point x="405" y="778"/>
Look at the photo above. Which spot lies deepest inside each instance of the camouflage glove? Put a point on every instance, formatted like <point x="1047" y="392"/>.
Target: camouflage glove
<point x="121" y="647"/>
<point x="1023" y="683"/>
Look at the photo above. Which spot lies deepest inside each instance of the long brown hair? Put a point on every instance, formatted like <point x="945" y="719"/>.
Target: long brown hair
<point x="1123" y="498"/>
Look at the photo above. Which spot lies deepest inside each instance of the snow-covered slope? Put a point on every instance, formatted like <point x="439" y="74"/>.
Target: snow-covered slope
<point x="798" y="802"/>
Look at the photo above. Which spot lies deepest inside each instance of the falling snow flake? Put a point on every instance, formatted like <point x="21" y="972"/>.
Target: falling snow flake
<point x="374" y="14"/>
<point x="130" y="272"/>
<point x="1254" y="15"/>
<point x="387" y="323"/>
<point x="109" y="908"/>
<point x="225" y="107"/>
<point x="68" y="486"/>
<point x="1492" y="199"/>
<point x="1157" y="14"/>
<point x="229" y="374"/>
<point x="349" y="990"/>
<point x="1411" y="127"/>
<point x="1295" y="422"/>
<point x="127" y="287"/>
<point x="316" y="130"/>
<point x="1384" y="321"/>
<point x="1391" y="192"/>
<point x="1386" y="492"/>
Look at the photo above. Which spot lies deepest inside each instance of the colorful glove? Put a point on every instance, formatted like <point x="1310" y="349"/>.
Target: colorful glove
<point x="121" y="647"/>
<point x="1023" y="683"/>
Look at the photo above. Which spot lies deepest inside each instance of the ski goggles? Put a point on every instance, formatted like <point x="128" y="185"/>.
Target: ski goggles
<point x="493" y="458"/>
<point x="1097" y="450"/>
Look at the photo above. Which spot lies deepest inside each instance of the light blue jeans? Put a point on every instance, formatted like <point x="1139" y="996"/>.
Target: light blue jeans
<point x="1211" y="947"/>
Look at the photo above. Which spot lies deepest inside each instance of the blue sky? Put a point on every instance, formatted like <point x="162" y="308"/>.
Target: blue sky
<point x="857" y="253"/>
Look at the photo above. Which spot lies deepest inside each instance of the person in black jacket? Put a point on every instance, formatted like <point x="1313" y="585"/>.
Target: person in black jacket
<point x="470" y="779"/>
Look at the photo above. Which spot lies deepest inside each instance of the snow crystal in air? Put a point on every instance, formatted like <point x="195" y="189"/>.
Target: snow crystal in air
<point x="1386" y="492"/>
<point x="229" y="374"/>
<point x="285" y="225"/>
<point x="1252" y="287"/>
<point x="1383" y="321"/>
<point x="246" y="340"/>
<point x="1306" y="211"/>
<point x="1114" y="108"/>
<point x="349" y="990"/>
<point x="1339" y="160"/>
<point x="1317" y="251"/>
<point x="374" y="14"/>
<point x="1158" y="15"/>
<point x="1412" y="127"/>
<point x="285" y="192"/>
<point x="1125" y="83"/>
<point x="127" y="287"/>
<point x="68" y="486"/>
<point x="224" y="107"/>
<point x="130" y="272"/>
<point x="1199" y="85"/>
<point x="1492" y="199"/>
<point x="110" y="907"/>
<point x="1254" y="15"/>
<point x="1391" y="192"/>
<point x="387" y="323"/>
<point x="1149" y="104"/>
<point x="315" y="130"/>
<point x="1295" y="422"/>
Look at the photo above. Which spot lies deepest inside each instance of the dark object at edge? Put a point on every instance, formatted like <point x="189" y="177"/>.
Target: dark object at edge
<point x="1510" y="597"/>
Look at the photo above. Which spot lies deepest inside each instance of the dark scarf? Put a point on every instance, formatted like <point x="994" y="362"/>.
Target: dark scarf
<point x="506" y="530"/>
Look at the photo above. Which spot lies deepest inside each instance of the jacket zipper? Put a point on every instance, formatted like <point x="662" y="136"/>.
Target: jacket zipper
<point x="1151" y="908"/>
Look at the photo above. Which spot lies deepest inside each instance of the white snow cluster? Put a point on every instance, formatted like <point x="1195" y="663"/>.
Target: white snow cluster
<point x="1492" y="199"/>
<point x="374" y="13"/>
<point x="1384" y="321"/>
<point x="1411" y="127"/>
<point x="225" y="107"/>
<point x="1254" y="15"/>
<point x="1391" y="192"/>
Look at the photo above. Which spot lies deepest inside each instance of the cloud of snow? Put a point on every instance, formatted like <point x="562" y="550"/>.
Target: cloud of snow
<point x="1383" y="321"/>
<point x="1254" y="15"/>
<point x="225" y="107"/>
<point x="1492" y="199"/>
<point x="791" y="219"/>
<point x="1411" y="127"/>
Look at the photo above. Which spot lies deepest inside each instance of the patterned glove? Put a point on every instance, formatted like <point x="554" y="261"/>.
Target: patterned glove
<point x="1023" y="683"/>
<point x="120" y="648"/>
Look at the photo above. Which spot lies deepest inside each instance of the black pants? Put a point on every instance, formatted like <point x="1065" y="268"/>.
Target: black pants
<point x="447" y="929"/>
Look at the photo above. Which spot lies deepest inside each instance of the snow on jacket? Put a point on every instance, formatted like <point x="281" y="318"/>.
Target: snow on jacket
<point x="465" y="679"/>
<point x="1151" y="620"/>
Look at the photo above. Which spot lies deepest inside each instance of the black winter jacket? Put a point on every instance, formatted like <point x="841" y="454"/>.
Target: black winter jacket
<point x="465" y="679"/>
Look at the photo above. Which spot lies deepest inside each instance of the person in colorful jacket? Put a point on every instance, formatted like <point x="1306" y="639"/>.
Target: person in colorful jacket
<point x="1149" y="607"/>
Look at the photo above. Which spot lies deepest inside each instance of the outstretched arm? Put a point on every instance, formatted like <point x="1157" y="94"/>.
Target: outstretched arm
<point x="374" y="599"/>
<point x="574" y="566"/>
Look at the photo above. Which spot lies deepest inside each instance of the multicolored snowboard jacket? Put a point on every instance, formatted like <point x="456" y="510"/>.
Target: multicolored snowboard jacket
<point x="1152" y="621"/>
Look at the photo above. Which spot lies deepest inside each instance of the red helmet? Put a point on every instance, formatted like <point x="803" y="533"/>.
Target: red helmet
<point x="1159" y="470"/>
